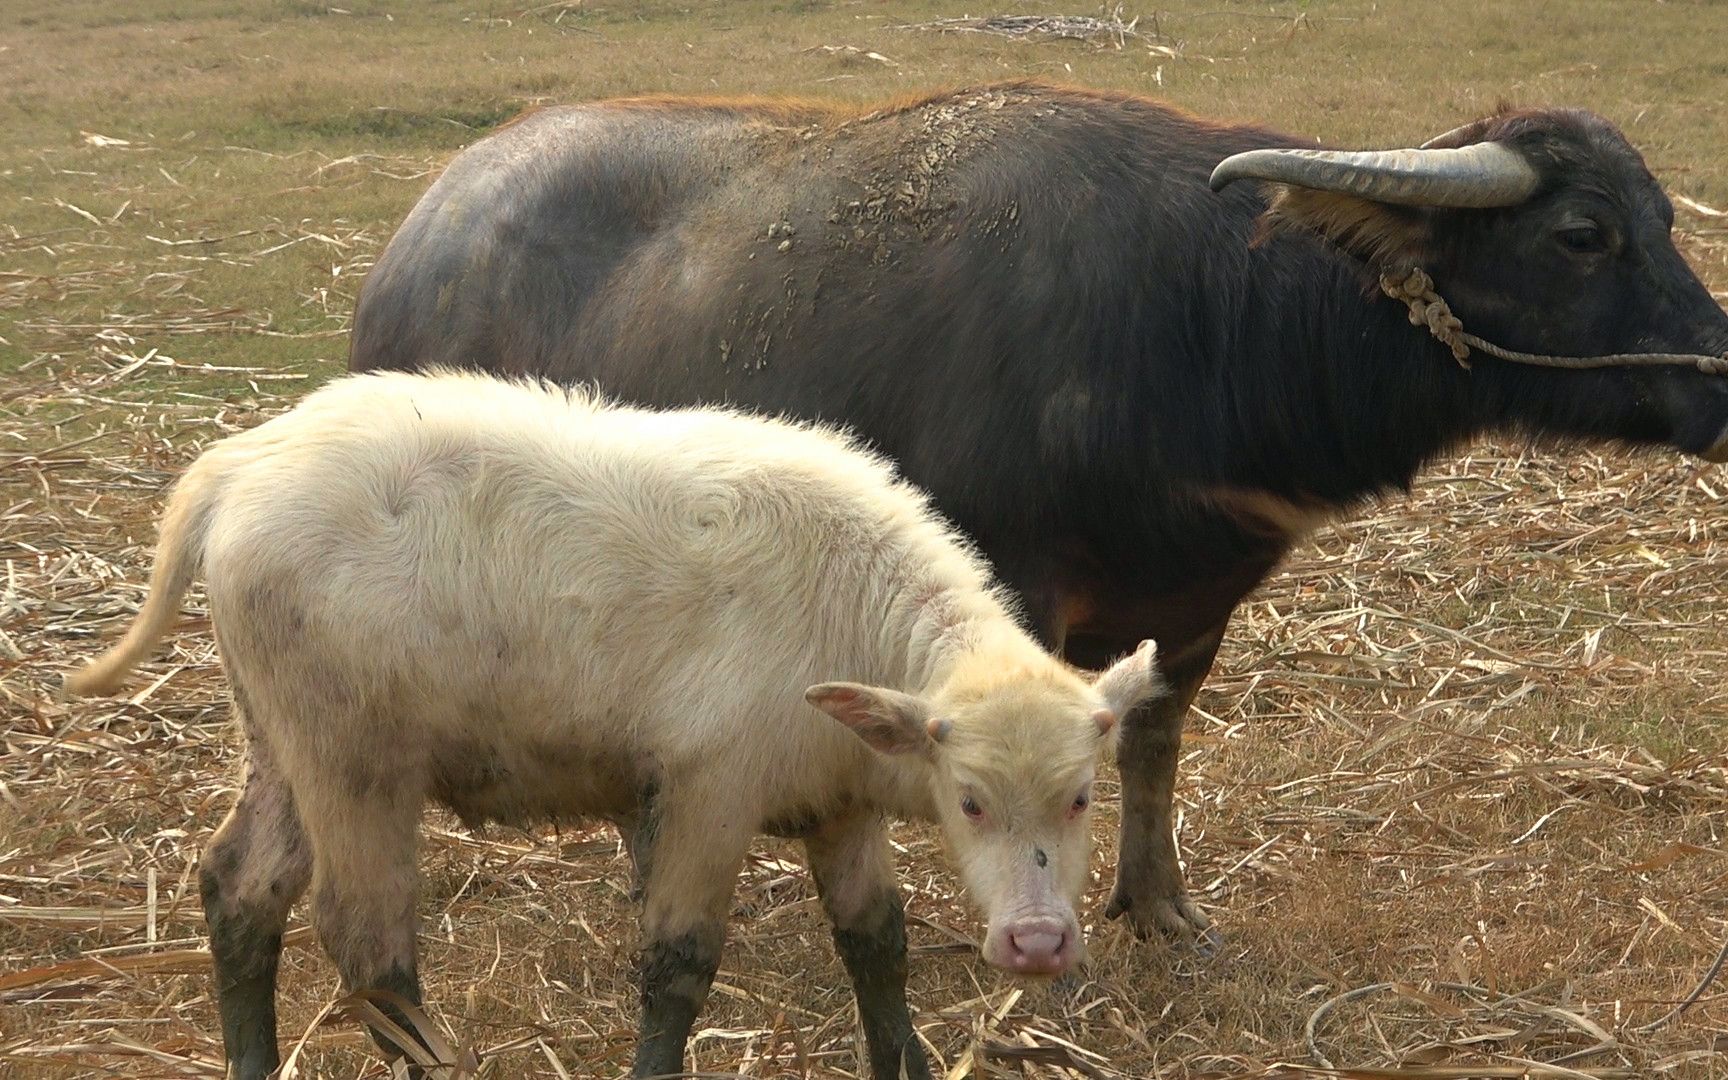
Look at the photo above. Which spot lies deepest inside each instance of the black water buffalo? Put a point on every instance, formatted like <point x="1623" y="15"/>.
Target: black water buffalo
<point x="1134" y="391"/>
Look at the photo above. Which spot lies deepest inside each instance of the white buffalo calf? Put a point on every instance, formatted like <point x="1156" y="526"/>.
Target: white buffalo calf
<point x="526" y="603"/>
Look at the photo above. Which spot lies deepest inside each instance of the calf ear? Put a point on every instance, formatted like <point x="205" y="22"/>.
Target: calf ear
<point x="1130" y="681"/>
<point x="891" y="722"/>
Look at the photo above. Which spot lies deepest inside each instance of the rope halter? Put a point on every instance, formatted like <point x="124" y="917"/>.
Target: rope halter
<point x="1416" y="289"/>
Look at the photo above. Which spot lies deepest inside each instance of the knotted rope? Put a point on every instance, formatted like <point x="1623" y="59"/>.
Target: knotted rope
<point x="1416" y="289"/>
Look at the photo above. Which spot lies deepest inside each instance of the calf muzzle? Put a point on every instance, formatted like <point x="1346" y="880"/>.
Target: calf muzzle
<point x="1042" y="945"/>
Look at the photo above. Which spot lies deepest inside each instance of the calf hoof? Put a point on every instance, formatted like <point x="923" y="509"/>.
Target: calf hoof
<point x="1175" y="918"/>
<point x="913" y="1064"/>
<point x="259" y="1066"/>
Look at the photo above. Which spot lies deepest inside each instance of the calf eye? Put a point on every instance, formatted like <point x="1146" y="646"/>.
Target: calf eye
<point x="969" y="806"/>
<point x="1081" y="802"/>
<point x="1584" y="239"/>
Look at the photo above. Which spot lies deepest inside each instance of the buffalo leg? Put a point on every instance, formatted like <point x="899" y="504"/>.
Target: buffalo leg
<point x="254" y="870"/>
<point x="690" y="857"/>
<point x="854" y="873"/>
<point x="1149" y="888"/>
<point x="364" y="882"/>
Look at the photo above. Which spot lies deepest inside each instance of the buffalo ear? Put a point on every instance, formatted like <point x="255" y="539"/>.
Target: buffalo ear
<point x="890" y="721"/>
<point x="1381" y="234"/>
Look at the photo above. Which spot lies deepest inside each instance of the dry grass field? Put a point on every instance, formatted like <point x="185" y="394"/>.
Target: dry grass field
<point x="1457" y="795"/>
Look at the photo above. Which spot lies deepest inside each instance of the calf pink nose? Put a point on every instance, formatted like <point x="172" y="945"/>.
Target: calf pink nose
<point x="1039" y="949"/>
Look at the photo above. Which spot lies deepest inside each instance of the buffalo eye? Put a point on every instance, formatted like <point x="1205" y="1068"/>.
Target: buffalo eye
<point x="969" y="806"/>
<point x="1582" y="239"/>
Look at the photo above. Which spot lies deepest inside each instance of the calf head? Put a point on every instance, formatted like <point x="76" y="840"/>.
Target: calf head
<point x="1011" y="751"/>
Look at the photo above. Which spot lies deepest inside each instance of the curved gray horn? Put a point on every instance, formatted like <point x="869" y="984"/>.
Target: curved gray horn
<point x="1480" y="175"/>
<point x="1447" y="136"/>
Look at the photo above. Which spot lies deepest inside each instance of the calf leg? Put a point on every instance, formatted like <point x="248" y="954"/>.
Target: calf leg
<point x="855" y="875"/>
<point x="363" y="889"/>
<point x="690" y="855"/>
<point x="636" y="829"/>
<point x="1149" y="887"/>
<point x="254" y="870"/>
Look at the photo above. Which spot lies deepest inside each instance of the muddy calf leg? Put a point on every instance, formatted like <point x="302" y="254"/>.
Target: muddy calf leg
<point x="250" y="875"/>
<point x="854" y="873"/>
<point x="690" y="859"/>
<point x="363" y="890"/>
<point x="676" y="974"/>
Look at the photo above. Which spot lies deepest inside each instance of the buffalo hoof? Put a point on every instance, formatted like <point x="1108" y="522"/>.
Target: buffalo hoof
<point x="1175" y="918"/>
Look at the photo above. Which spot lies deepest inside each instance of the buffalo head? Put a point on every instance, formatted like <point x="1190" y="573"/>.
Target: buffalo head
<point x="1546" y="233"/>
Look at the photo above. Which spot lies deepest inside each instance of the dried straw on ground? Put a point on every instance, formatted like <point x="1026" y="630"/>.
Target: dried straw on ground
<point x="1109" y="28"/>
<point x="1456" y="796"/>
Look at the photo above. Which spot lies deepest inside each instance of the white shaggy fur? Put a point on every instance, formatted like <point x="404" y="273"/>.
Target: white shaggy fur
<point x="523" y="601"/>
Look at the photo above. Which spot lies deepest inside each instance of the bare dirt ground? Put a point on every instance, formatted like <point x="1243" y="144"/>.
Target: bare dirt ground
<point x="1456" y="794"/>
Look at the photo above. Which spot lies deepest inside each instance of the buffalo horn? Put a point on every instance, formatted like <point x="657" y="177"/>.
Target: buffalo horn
<point x="1447" y="137"/>
<point x="1480" y="175"/>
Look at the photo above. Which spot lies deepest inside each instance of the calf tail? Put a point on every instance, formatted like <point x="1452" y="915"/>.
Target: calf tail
<point x="179" y="555"/>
